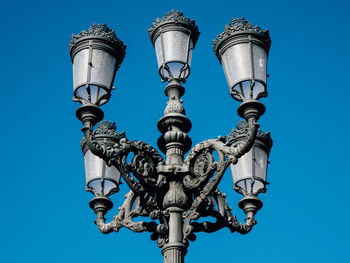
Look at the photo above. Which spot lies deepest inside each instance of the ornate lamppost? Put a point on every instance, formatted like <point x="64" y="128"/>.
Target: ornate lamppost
<point x="173" y="193"/>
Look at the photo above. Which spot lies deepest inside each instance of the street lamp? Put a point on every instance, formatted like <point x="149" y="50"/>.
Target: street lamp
<point x="173" y="192"/>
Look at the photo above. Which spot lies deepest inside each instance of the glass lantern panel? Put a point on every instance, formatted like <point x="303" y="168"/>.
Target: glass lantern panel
<point x="102" y="187"/>
<point x="96" y="93"/>
<point x="96" y="185"/>
<point x="260" y="163"/>
<point x="159" y="51"/>
<point x="236" y="62"/>
<point x="259" y="60"/>
<point x="80" y="68"/>
<point x="250" y="188"/>
<point x="112" y="172"/>
<point x="93" y="167"/>
<point x="257" y="89"/>
<point x="103" y="68"/>
<point x="243" y="168"/>
<point x="96" y="168"/>
<point x="108" y="186"/>
<point x="244" y="89"/>
<point x="176" y="46"/>
<point x="175" y="70"/>
<point x="82" y="93"/>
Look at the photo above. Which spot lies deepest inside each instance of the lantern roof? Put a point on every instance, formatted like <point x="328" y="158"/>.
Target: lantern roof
<point x="177" y="18"/>
<point x="240" y="26"/>
<point x="101" y="31"/>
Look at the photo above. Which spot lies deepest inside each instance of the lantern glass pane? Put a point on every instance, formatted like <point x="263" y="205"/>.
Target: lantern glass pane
<point x="245" y="89"/>
<point x="93" y="167"/>
<point x="259" y="58"/>
<point x="97" y="169"/>
<point x="176" y="46"/>
<point x="96" y="185"/>
<point x="96" y="93"/>
<point x="82" y="93"/>
<point x="243" y="168"/>
<point x="103" y="68"/>
<point x="250" y="188"/>
<point x="236" y="62"/>
<point x="257" y="89"/>
<point x="260" y="163"/>
<point x="176" y="70"/>
<point x="108" y="186"/>
<point x="174" y="51"/>
<point x="244" y="173"/>
<point x="80" y="68"/>
<point x="159" y="51"/>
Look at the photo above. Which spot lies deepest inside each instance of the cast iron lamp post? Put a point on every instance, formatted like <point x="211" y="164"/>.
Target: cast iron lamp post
<point x="175" y="192"/>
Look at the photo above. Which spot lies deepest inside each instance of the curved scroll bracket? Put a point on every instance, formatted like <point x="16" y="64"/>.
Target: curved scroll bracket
<point x="143" y="166"/>
<point x="127" y="212"/>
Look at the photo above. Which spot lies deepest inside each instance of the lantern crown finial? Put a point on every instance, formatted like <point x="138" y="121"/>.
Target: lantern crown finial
<point x="108" y="128"/>
<point x="240" y="26"/>
<point x="177" y="18"/>
<point x="241" y="131"/>
<point x="105" y="129"/>
<point x="99" y="30"/>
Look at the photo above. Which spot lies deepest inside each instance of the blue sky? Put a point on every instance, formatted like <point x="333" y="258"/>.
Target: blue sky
<point x="45" y="215"/>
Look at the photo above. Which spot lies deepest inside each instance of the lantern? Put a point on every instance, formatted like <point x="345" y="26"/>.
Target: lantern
<point x="96" y="56"/>
<point x="242" y="49"/>
<point x="101" y="179"/>
<point x="174" y="38"/>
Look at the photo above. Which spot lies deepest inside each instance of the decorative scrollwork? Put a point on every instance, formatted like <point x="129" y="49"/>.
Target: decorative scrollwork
<point x="145" y="160"/>
<point x="191" y="187"/>
<point x="125" y="217"/>
<point x="205" y="183"/>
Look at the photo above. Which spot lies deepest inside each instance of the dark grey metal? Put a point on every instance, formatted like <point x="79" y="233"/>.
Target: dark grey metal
<point x="175" y="192"/>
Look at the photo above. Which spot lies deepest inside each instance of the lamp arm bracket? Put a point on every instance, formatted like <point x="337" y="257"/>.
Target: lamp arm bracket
<point x="232" y="153"/>
<point x="143" y="165"/>
<point x="204" y="182"/>
<point x="127" y="212"/>
<point x="222" y="213"/>
<point x="247" y="143"/>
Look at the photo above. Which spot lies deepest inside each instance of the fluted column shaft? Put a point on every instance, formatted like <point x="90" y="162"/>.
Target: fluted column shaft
<point x="174" y="142"/>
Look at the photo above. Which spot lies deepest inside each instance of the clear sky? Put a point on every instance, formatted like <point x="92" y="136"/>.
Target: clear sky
<point x="45" y="215"/>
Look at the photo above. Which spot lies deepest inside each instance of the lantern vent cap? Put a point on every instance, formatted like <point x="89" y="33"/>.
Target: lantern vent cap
<point x="240" y="26"/>
<point x="176" y="18"/>
<point x="101" y="31"/>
